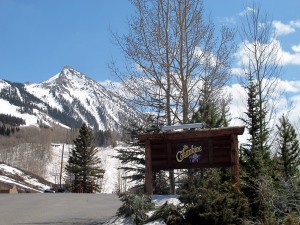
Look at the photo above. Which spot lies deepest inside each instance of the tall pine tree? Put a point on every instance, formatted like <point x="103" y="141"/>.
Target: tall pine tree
<point x="255" y="160"/>
<point x="255" y="154"/>
<point x="289" y="150"/>
<point x="84" y="166"/>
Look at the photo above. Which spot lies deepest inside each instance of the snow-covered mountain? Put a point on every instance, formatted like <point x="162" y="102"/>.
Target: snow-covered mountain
<point x="68" y="98"/>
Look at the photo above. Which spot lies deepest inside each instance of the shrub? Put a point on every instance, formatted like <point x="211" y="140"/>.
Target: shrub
<point x="211" y="201"/>
<point x="135" y="207"/>
<point x="170" y="213"/>
<point x="292" y="219"/>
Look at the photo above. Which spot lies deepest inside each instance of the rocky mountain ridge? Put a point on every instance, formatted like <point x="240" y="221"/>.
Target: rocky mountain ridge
<point x="68" y="98"/>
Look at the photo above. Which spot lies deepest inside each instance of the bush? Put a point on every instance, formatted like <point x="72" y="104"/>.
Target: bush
<point x="292" y="219"/>
<point x="135" y="207"/>
<point x="170" y="213"/>
<point x="213" y="202"/>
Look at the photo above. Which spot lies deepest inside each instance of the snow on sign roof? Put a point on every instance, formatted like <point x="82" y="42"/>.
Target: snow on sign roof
<point x="182" y="126"/>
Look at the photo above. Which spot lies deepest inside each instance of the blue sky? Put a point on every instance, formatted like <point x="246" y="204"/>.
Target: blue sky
<point x="39" y="37"/>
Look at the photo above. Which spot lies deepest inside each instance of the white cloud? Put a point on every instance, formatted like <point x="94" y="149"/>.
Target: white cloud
<point x="283" y="29"/>
<point x="246" y="51"/>
<point x="295" y="23"/>
<point x="205" y="56"/>
<point x="288" y="58"/>
<point x="296" y="48"/>
<point x="237" y="71"/>
<point x="289" y="86"/>
<point x="288" y="103"/>
<point x="284" y="57"/>
<point x="238" y="104"/>
<point x="245" y="11"/>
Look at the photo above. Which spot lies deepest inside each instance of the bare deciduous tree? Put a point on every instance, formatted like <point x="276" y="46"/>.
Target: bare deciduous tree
<point x="170" y="51"/>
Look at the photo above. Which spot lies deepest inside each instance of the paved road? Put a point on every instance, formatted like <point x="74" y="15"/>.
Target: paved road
<point x="62" y="209"/>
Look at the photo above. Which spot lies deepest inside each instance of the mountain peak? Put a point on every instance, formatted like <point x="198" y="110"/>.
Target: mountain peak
<point x="69" y="71"/>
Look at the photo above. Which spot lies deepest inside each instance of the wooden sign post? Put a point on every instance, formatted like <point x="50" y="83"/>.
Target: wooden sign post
<point x="205" y="148"/>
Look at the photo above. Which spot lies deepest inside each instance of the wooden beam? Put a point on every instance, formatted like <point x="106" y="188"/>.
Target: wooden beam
<point x="169" y="151"/>
<point x="148" y="169"/>
<point x="210" y="151"/>
<point x="235" y="168"/>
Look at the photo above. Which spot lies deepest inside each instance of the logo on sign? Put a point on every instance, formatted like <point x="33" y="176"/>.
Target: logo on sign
<point x="190" y="153"/>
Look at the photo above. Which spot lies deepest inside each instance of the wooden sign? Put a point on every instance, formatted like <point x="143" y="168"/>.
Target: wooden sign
<point x="205" y="148"/>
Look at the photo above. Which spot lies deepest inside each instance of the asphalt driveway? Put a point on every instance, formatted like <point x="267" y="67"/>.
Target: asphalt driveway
<point x="59" y="208"/>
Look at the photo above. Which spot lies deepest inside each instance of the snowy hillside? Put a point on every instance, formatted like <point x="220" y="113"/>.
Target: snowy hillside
<point x="112" y="177"/>
<point x="110" y="183"/>
<point x="10" y="99"/>
<point x="24" y="181"/>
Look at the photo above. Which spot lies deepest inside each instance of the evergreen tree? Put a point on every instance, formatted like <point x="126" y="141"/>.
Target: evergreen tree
<point x="255" y="155"/>
<point x="255" y="160"/>
<point x="211" y="116"/>
<point x="84" y="164"/>
<point x="212" y="201"/>
<point x="262" y="69"/>
<point x="213" y="108"/>
<point x="132" y="156"/>
<point x="289" y="150"/>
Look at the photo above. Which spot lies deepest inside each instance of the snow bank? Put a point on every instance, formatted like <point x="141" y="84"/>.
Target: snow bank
<point x="159" y="200"/>
<point x="27" y="179"/>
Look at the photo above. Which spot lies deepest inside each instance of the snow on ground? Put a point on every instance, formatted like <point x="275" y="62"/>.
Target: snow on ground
<point x="109" y="163"/>
<point x="127" y="221"/>
<point x="30" y="120"/>
<point x="7" y="108"/>
<point x="59" y="151"/>
<point x="43" y="94"/>
<point x="6" y="169"/>
<point x="12" y="181"/>
<point x="159" y="200"/>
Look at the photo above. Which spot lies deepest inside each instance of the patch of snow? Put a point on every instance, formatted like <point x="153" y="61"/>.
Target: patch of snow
<point x="54" y="166"/>
<point x="119" y="221"/>
<point x="43" y="94"/>
<point x="159" y="200"/>
<point x="7" y="108"/>
<point x="156" y="222"/>
<point x="112" y="175"/>
<point x="10" y="169"/>
<point x="28" y="179"/>
<point x="4" y="84"/>
<point x="127" y="221"/>
<point x="52" y="79"/>
<point x="11" y="181"/>
<point x="110" y="164"/>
